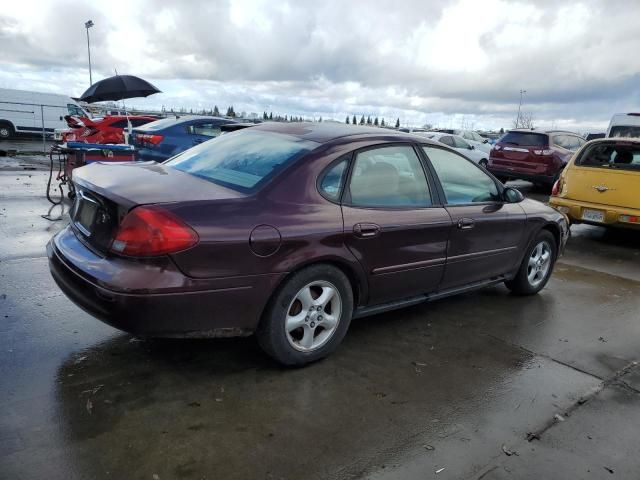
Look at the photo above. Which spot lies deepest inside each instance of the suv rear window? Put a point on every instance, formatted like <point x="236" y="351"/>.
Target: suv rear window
<point x="526" y="139"/>
<point x="611" y="155"/>
<point x="242" y="160"/>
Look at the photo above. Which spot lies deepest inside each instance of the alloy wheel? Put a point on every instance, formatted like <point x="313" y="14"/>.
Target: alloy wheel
<point x="539" y="263"/>
<point x="313" y="316"/>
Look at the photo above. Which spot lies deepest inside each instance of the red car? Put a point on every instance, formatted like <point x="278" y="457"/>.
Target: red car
<point x="101" y="130"/>
<point x="534" y="155"/>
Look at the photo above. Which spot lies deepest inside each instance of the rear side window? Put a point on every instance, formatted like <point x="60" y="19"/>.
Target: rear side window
<point x="525" y="139"/>
<point x="389" y="177"/>
<point x="206" y="129"/>
<point x="331" y="182"/>
<point x="611" y="155"/>
<point x="461" y="180"/>
<point x="242" y="160"/>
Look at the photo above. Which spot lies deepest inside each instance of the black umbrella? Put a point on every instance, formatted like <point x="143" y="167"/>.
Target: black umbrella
<point x="118" y="88"/>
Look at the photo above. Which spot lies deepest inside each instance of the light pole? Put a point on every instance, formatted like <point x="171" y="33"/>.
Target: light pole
<point x="522" y="92"/>
<point x="88" y="24"/>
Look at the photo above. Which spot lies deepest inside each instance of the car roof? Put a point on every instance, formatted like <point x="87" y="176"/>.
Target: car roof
<point x="615" y="140"/>
<point x="541" y="131"/>
<point x="328" y="132"/>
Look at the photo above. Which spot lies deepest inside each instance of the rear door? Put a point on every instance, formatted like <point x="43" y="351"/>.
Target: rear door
<point x="394" y="224"/>
<point x="486" y="231"/>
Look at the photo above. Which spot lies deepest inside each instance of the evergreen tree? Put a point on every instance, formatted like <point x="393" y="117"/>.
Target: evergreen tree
<point x="501" y="131"/>
<point x="285" y="118"/>
<point x="369" y="120"/>
<point x="191" y="110"/>
<point x="398" y="123"/>
<point x="271" y="116"/>
<point x="216" y="112"/>
<point x="347" y="120"/>
<point x="375" y="122"/>
<point x="320" y="120"/>
<point x="353" y="120"/>
<point x="362" y="120"/>
<point x="382" y="123"/>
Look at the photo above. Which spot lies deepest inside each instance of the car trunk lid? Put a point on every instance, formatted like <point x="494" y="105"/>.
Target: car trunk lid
<point x="106" y="192"/>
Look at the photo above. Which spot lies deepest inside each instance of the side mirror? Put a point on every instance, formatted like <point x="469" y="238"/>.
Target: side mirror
<point x="512" y="195"/>
<point x="471" y="147"/>
<point x="486" y="140"/>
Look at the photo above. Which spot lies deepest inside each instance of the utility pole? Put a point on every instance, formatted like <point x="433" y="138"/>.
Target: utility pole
<point x="88" y="25"/>
<point x="519" y="107"/>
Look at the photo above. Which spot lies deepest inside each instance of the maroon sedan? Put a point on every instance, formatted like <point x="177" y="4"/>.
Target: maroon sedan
<point x="289" y="231"/>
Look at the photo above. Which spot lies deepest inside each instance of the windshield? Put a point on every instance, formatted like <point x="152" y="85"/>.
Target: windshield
<point x="612" y="155"/>
<point x="242" y="160"/>
<point x="525" y="139"/>
<point x="625" y="131"/>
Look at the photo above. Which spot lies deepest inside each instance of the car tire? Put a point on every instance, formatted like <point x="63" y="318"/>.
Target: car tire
<point x="483" y="163"/>
<point x="537" y="265"/>
<point x="6" y="130"/>
<point x="295" y="329"/>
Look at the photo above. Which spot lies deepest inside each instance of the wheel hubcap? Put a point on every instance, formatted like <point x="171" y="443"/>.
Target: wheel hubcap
<point x="539" y="263"/>
<point x="313" y="316"/>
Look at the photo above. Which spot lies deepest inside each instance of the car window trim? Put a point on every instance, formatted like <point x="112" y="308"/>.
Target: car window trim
<point x="441" y="191"/>
<point x="345" y="199"/>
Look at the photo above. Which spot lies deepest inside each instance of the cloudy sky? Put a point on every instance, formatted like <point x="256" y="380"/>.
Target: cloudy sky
<point x="444" y="62"/>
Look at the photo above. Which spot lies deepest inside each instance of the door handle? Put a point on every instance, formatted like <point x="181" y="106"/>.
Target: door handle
<point x="466" y="224"/>
<point x="366" y="230"/>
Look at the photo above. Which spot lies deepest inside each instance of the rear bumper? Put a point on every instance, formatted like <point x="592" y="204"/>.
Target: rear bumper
<point x="153" y="299"/>
<point x="516" y="175"/>
<point x="574" y="208"/>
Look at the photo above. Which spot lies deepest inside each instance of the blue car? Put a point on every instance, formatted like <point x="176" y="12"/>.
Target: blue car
<point x="165" y="138"/>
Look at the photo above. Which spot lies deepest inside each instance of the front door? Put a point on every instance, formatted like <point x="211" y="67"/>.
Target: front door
<point x="486" y="232"/>
<point x="392" y="225"/>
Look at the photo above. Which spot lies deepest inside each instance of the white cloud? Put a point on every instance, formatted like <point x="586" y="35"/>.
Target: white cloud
<point x="438" y="61"/>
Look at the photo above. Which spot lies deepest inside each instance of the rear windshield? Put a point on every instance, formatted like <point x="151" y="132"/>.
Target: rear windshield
<point x="242" y="160"/>
<point x="525" y="139"/>
<point x="611" y="155"/>
<point x="622" y="131"/>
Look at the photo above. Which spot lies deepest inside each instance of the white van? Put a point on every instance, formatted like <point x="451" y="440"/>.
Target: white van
<point x="624" y="125"/>
<point x="22" y="111"/>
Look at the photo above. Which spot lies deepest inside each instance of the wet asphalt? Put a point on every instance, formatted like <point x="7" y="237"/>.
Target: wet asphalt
<point x="485" y="385"/>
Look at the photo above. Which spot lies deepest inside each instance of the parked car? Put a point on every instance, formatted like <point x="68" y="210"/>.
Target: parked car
<point x="20" y="112"/>
<point x="593" y="136"/>
<point x="167" y="137"/>
<point x="101" y="130"/>
<point x="535" y="155"/>
<point x="461" y="145"/>
<point x="600" y="184"/>
<point x="624" y="125"/>
<point x="474" y="138"/>
<point x="289" y="231"/>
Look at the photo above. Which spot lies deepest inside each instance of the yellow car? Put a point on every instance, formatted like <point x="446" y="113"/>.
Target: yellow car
<point x="601" y="184"/>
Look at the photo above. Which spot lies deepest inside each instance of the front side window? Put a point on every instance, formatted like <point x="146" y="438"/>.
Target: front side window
<point x="75" y="110"/>
<point x="461" y="180"/>
<point x="447" y="141"/>
<point x="390" y="177"/>
<point x="460" y="143"/>
<point x="242" y="160"/>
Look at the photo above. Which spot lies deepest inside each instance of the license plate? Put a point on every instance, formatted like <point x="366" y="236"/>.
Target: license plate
<point x="593" y="215"/>
<point x="85" y="214"/>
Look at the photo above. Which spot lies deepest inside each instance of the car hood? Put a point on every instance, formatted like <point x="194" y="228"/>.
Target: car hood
<point x="136" y="183"/>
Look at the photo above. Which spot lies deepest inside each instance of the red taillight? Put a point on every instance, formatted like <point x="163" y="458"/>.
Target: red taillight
<point x="546" y="151"/>
<point x="557" y="187"/>
<point x="148" y="138"/>
<point x="152" y="231"/>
